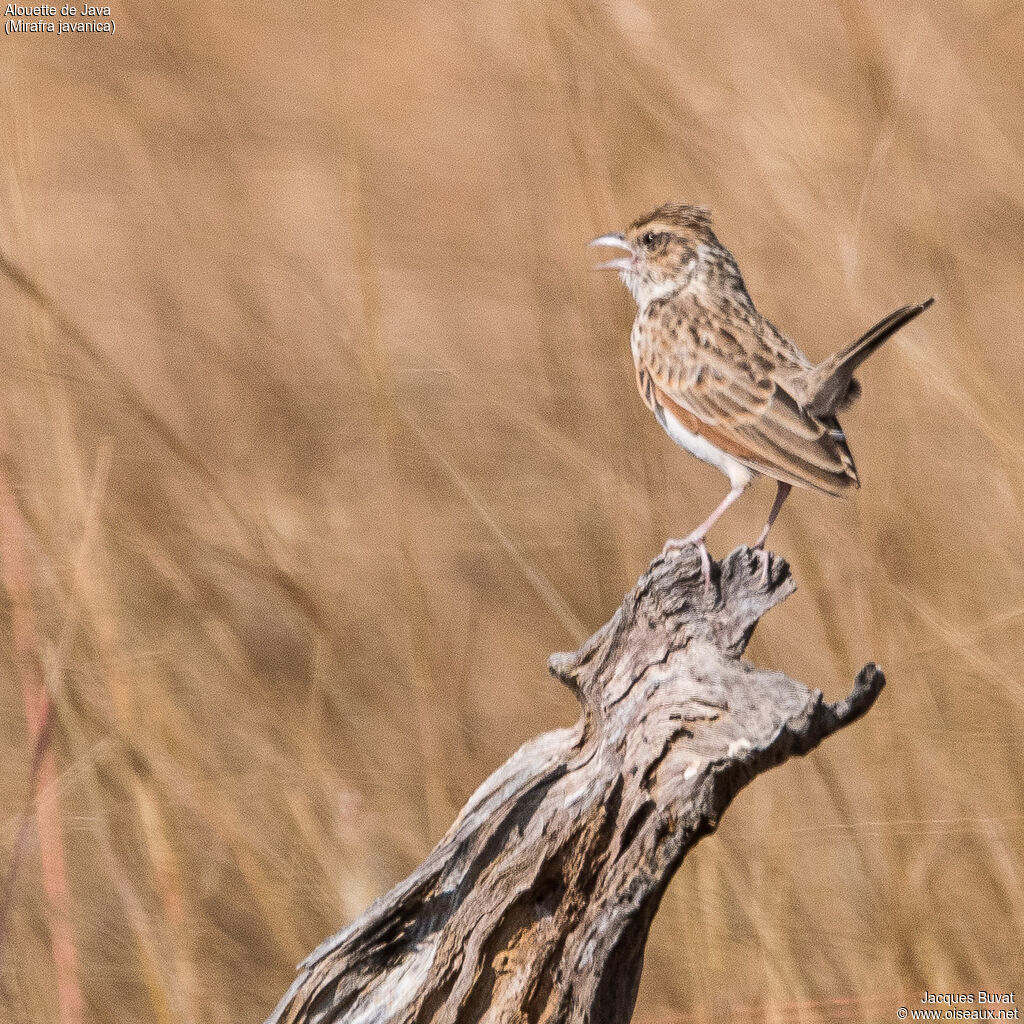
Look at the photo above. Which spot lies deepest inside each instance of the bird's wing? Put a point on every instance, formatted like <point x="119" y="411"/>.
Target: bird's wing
<point x="713" y="382"/>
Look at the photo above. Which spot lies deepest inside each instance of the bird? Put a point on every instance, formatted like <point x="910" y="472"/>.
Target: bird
<point x="722" y="380"/>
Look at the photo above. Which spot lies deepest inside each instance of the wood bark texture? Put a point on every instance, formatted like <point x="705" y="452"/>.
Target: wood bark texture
<point x="535" y="907"/>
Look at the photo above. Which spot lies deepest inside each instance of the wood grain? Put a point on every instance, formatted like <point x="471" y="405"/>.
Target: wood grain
<point x="537" y="903"/>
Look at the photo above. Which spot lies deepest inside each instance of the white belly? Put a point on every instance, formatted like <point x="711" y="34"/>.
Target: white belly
<point x="738" y="474"/>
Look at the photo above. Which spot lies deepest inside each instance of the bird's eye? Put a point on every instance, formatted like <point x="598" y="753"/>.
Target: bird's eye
<point x="647" y="239"/>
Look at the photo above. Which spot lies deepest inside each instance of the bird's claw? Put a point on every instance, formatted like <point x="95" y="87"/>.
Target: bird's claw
<point x="674" y="547"/>
<point x="766" y="561"/>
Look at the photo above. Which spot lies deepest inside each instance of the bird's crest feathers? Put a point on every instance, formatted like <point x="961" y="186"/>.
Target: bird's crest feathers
<point x="675" y="215"/>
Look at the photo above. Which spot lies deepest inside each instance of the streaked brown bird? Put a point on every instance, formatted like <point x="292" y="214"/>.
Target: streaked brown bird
<point x="722" y="380"/>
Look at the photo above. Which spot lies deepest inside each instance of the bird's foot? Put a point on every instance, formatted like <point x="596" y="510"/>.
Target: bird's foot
<point x="674" y="547"/>
<point x="766" y="557"/>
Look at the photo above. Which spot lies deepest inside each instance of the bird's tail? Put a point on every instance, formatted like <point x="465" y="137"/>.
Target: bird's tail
<point x="829" y="384"/>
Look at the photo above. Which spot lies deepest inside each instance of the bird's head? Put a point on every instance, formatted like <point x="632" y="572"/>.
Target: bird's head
<point x="666" y="250"/>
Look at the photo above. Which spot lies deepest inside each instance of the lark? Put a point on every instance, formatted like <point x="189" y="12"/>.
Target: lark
<point x="722" y="380"/>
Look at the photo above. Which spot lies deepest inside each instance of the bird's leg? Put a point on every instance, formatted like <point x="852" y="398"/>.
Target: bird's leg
<point x="698" y="535"/>
<point x="780" y="496"/>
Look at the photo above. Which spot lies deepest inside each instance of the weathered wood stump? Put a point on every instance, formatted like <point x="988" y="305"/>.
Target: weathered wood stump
<point x="537" y="903"/>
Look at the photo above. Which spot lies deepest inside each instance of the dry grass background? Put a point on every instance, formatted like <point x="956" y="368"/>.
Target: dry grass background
<point x="318" y="436"/>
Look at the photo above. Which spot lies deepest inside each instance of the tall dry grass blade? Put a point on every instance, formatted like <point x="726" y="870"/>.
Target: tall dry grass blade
<point x="8" y="892"/>
<point x="89" y="598"/>
<point x="28" y="657"/>
<point x="166" y="1002"/>
<point x="542" y="586"/>
<point x="129" y="396"/>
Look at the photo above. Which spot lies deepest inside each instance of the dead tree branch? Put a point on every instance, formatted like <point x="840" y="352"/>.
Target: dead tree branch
<point x="536" y="904"/>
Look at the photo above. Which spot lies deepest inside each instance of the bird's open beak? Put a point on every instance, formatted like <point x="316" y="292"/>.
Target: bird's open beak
<point x="614" y="242"/>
